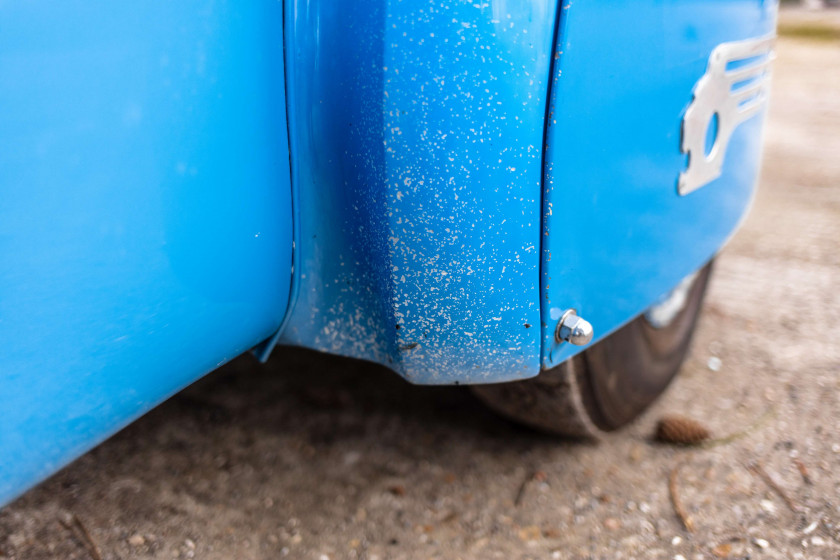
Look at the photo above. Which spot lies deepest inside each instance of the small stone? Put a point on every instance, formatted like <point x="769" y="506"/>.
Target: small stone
<point x="679" y="557"/>
<point x="530" y="533"/>
<point x="397" y="490"/>
<point x="552" y="533"/>
<point x="644" y="507"/>
<point x="768" y="506"/>
<point x="722" y="550"/>
<point x="810" y="528"/>
<point x="817" y="541"/>
<point x="714" y="363"/>
<point x="676" y="540"/>
<point x="760" y="543"/>
<point x="136" y="540"/>
<point x="189" y="544"/>
<point x="612" y="523"/>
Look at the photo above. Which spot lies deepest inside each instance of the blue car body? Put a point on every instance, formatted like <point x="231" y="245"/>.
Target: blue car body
<point x="423" y="185"/>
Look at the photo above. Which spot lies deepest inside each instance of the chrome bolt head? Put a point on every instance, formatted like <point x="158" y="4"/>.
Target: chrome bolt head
<point x="573" y="329"/>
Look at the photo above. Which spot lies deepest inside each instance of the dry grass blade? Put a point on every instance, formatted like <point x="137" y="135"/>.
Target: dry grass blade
<point x="673" y="491"/>
<point x="759" y="471"/>
<point x="758" y="423"/>
<point x="537" y="476"/>
<point x="803" y="470"/>
<point x="80" y="532"/>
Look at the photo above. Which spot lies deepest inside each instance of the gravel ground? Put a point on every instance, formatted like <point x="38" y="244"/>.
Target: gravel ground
<point x="317" y="457"/>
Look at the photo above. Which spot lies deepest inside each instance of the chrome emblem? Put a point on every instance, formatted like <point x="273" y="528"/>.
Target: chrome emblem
<point x="733" y="89"/>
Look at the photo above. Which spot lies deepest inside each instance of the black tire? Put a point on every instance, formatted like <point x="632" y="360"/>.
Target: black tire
<point x="608" y="385"/>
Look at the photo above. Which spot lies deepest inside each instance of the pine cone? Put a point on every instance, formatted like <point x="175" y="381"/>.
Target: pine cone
<point x="680" y="430"/>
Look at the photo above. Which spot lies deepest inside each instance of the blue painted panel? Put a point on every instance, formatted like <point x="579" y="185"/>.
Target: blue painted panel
<point x="416" y="133"/>
<point x="145" y="223"/>
<point x="617" y="233"/>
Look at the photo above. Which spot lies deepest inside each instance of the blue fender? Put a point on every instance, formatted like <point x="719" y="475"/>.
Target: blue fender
<point x="617" y="233"/>
<point x="145" y="222"/>
<point x="416" y="133"/>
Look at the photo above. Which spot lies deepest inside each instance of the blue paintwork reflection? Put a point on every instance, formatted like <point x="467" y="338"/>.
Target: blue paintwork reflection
<point x="618" y="235"/>
<point x="145" y="228"/>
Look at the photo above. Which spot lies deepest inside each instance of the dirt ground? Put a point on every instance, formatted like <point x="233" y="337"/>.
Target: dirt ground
<point x="316" y="457"/>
